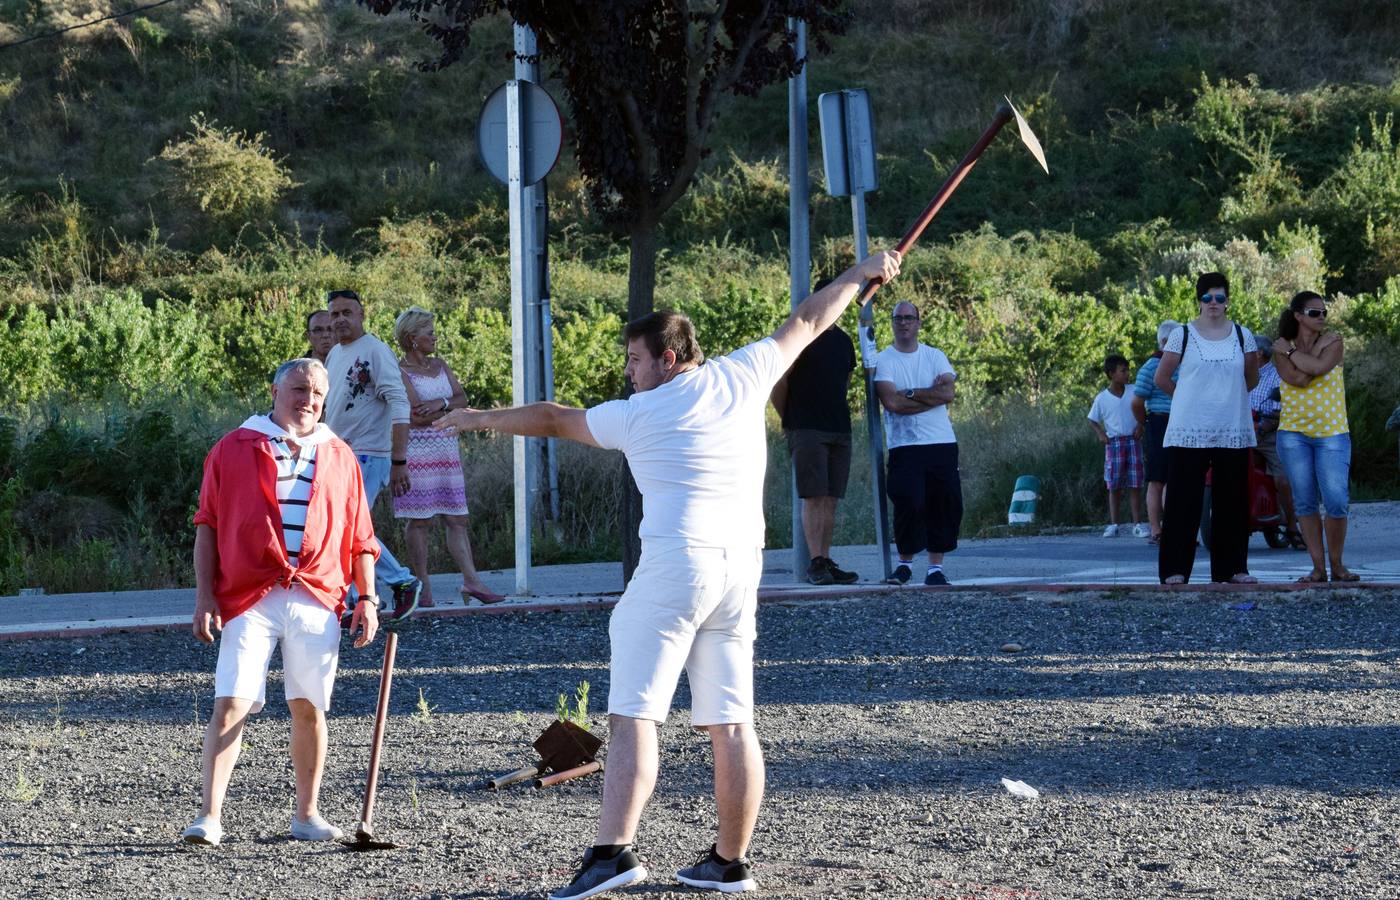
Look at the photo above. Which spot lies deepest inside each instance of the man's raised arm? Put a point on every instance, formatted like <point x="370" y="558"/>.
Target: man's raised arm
<point x="815" y="314"/>
<point x="532" y="420"/>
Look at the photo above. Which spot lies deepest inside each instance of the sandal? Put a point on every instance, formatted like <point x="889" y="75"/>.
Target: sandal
<point x="1316" y="576"/>
<point x="1243" y="578"/>
<point x="1345" y="576"/>
<point x="1295" y="539"/>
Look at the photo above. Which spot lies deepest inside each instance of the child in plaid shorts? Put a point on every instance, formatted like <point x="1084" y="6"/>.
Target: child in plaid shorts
<point x="1111" y="417"/>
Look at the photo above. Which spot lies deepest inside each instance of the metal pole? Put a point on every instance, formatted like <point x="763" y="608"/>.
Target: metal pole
<point x="520" y="218"/>
<point x="874" y="428"/>
<point x="799" y="246"/>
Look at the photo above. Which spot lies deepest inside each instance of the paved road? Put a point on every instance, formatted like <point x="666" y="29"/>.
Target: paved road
<point x="1076" y="558"/>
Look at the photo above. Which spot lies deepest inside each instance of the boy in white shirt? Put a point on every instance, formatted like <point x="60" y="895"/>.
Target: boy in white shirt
<point x="1118" y="430"/>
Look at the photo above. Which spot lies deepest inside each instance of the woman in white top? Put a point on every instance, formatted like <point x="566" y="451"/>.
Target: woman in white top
<point x="1210" y="429"/>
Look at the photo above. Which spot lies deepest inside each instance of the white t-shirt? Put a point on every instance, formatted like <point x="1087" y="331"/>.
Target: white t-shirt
<point x="698" y="448"/>
<point x="1211" y="405"/>
<point x="916" y="369"/>
<point x="1115" y="414"/>
<point x="366" y="395"/>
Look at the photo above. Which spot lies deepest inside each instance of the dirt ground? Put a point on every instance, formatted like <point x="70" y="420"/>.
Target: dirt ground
<point x="1183" y="745"/>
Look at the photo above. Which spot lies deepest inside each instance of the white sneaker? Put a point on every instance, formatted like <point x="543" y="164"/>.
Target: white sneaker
<point x="205" y="831"/>
<point x="1110" y="531"/>
<point x="315" y="829"/>
<point x="1141" y="530"/>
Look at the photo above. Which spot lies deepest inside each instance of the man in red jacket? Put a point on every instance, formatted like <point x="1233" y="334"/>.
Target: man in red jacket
<point x="281" y="532"/>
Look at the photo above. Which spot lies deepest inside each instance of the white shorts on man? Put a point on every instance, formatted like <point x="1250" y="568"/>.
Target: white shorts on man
<point x="310" y="638"/>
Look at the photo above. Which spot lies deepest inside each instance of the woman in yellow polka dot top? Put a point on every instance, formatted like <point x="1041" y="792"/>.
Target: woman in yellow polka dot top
<point x="1313" y="440"/>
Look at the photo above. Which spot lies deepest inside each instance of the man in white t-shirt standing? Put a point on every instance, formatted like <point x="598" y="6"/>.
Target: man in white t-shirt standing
<point x="695" y="440"/>
<point x="367" y="408"/>
<point x="915" y="384"/>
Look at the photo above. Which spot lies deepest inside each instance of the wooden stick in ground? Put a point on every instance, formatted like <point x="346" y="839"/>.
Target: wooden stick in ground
<point x="391" y="644"/>
<point x="587" y="768"/>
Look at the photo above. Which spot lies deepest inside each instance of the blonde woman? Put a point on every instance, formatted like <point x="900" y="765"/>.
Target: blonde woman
<point x="1314" y="440"/>
<point x="434" y="466"/>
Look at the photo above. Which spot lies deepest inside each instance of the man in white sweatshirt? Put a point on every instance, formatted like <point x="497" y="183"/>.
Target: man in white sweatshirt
<point x="368" y="409"/>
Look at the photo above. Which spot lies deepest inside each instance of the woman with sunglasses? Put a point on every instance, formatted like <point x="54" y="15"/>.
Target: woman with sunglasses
<point x="1210" y="429"/>
<point x="1313" y="440"/>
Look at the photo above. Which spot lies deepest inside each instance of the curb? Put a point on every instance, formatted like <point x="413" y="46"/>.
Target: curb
<point x="583" y="602"/>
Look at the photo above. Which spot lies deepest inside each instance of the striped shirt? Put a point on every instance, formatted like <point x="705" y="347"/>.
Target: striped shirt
<point x="295" y="472"/>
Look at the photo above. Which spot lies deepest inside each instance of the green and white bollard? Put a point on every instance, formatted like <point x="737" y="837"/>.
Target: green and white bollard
<point x="1023" y="500"/>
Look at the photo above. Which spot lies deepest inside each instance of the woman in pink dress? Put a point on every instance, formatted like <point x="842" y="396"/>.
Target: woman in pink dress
<point x="434" y="466"/>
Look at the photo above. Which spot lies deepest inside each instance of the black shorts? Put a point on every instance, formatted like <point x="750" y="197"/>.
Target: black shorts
<point x="1156" y="454"/>
<point x="925" y="489"/>
<point x="821" y="461"/>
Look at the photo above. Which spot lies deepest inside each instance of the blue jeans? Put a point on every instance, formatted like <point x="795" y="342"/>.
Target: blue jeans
<point x="375" y="472"/>
<point x="1317" y="462"/>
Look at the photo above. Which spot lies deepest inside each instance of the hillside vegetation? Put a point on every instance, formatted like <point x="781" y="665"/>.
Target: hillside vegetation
<point x="178" y="189"/>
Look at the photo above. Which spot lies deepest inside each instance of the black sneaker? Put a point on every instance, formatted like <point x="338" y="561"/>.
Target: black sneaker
<point x="839" y="575"/>
<point x="405" y="600"/>
<point x="708" y="872"/>
<point x="596" y="876"/>
<point x="936" y="577"/>
<point x="901" y="575"/>
<point x="818" y="572"/>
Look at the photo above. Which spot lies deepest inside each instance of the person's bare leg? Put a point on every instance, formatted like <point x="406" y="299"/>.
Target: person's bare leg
<point x="629" y="778"/>
<point x="738" y="786"/>
<point x="1336" y="542"/>
<point x="1154" y="507"/>
<point x="222" y="741"/>
<point x="308" y="754"/>
<point x="1112" y="506"/>
<point x="1311" y="526"/>
<point x="1135" y="504"/>
<point x="415" y="538"/>
<point x="459" y="544"/>
<point x="935" y="559"/>
<point x="818" y="522"/>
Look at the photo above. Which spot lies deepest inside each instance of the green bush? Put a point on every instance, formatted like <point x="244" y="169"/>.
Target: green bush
<point x="229" y="175"/>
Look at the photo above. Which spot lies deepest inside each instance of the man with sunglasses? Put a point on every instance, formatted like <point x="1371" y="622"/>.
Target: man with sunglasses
<point x="915" y="384"/>
<point x="367" y="407"/>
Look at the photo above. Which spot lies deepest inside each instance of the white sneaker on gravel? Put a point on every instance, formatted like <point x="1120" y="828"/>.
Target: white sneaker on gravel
<point x="204" y="831"/>
<point x="315" y="829"/>
<point x="1110" y="531"/>
<point x="1141" y="530"/>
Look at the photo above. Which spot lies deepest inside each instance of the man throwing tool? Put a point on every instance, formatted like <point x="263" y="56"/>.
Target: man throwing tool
<point x="693" y="434"/>
<point x="273" y="559"/>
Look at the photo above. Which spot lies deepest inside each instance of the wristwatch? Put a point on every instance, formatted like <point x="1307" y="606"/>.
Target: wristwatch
<point x="446" y="405"/>
<point x="1291" y="348"/>
<point x="909" y="393"/>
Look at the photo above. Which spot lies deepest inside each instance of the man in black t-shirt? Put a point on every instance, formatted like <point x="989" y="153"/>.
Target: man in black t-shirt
<point x="811" y="399"/>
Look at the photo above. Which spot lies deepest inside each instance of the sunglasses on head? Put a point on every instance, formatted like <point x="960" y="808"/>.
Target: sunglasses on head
<point x="1214" y="298"/>
<point x="1315" y="313"/>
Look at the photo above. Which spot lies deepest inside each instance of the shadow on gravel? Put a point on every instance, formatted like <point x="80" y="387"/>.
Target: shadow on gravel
<point x="1093" y="759"/>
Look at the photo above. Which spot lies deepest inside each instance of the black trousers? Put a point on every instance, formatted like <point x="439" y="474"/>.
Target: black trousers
<point x="926" y="493"/>
<point x="1229" y="511"/>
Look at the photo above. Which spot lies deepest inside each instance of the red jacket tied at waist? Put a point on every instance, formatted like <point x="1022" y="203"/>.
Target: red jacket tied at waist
<point x="238" y="500"/>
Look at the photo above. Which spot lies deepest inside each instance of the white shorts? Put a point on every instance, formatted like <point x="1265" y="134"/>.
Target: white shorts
<point x="310" y="638"/>
<point x="689" y="608"/>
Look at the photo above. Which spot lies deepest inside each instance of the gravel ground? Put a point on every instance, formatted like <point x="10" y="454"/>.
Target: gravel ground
<point x="1182" y="747"/>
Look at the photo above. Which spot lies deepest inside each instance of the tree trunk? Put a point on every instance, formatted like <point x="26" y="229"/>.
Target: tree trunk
<point x="641" y="295"/>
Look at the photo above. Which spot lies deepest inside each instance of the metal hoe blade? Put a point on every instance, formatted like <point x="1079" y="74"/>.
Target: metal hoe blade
<point x="1028" y="137"/>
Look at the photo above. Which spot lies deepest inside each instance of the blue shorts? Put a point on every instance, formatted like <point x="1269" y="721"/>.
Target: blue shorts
<point x="1317" y="464"/>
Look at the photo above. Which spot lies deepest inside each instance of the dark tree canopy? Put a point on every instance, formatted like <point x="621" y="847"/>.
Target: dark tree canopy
<point x="643" y="78"/>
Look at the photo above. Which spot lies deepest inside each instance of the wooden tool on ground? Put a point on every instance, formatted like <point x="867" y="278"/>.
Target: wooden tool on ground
<point x="566" y="752"/>
<point x="364" y="832"/>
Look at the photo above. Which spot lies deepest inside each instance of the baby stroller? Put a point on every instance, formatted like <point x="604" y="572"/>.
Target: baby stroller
<point x="1264" y="512"/>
